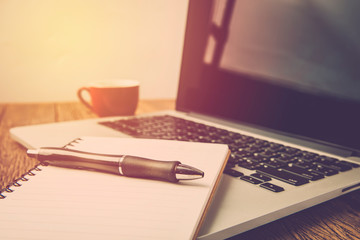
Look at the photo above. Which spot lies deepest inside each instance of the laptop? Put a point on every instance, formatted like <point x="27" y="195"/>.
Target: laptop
<point x="275" y="80"/>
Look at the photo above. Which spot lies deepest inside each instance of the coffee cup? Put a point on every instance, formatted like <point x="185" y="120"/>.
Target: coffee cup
<point x="117" y="97"/>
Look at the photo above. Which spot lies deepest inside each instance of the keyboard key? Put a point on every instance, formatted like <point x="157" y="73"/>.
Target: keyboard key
<point x="275" y="163"/>
<point x="251" y="179"/>
<point x="242" y="152"/>
<point x="303" y="159"/>
<point x="324" y="169"/>
<point x="334" y="163"/>
<point x="257" y="158"/>
<point x="326" y="158"/>
<point x="303" y="164"/>
<point x="269" y="154"/>
<point x="306" y="173"/>
<point x="230" y="165"/>
<point x="261" y="177"/>
<point x="275" y="146"/>
<point x="292" y="151"/>
<point x="260" y="143"/>
<point x="308" y="155"/>
<point x="282" y="175"/>
<point x="272" y="187"/>
<point x="248" y="164"/>
<point x="233" y="172"/>
<point x="354" y="165"/>
<point x="285" y="158"/>
<point x="233" y="158"/>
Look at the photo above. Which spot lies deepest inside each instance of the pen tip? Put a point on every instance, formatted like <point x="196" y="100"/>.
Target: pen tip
<point x="185" y="172"/>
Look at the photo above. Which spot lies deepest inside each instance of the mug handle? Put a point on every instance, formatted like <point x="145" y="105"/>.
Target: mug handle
<point x="82" y="100"/>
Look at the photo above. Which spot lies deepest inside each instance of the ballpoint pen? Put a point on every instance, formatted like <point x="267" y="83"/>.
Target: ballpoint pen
<point x="126" y="165"/>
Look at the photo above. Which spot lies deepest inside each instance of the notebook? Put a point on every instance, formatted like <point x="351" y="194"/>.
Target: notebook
<point x="279" y="78"/>
<point x="62" y="203"/>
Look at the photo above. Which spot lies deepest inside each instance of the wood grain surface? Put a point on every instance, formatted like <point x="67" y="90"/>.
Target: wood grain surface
<point x="336" y="219"/>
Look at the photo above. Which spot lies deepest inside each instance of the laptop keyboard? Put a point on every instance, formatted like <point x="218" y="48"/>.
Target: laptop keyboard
<point x="265" y="160"/>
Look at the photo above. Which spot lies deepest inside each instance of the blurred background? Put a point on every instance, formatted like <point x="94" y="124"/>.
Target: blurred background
<point x="49" y="48"/>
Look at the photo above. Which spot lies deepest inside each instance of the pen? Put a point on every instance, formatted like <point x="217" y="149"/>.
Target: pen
<point x="130" y="166"/>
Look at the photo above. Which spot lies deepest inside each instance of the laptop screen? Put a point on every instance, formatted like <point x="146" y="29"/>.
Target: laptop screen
<point x="289" y="66"/>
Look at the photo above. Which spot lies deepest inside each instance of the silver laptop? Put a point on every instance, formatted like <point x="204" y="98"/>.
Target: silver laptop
<point x="275" y="80"/>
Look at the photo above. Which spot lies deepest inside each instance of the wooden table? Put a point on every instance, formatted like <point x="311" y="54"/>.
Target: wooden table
<point x="335" y="219"/>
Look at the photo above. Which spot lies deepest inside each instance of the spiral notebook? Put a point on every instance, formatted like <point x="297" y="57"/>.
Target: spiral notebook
<point x="59" y="203"/>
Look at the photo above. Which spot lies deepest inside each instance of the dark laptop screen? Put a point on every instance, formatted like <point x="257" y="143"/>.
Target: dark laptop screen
<point x="291" y="66"/>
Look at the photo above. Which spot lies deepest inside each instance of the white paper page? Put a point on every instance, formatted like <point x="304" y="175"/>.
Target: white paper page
<point x="61" y="203"/>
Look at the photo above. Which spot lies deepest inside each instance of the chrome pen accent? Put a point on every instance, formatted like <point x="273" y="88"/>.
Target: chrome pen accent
<point x="186" y="172"/>
<point x="120" y="162"/>
<point x="130" y="166"/>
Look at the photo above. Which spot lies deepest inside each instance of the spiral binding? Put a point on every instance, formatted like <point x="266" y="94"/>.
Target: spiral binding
<point x="17" y="181"/>
<point x="24" y="177"/>
<point x="73" y="142"/>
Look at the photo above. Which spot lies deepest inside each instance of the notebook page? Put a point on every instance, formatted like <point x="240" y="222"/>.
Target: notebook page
<point x="61" y="203"/>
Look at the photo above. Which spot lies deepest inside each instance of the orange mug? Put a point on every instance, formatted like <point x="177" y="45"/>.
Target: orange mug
<point x="112" y="98"/>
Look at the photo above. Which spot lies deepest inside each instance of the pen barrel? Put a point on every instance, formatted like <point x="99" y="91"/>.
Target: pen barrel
<point x="79" y="160"/>
<point x="147" y="168"/>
